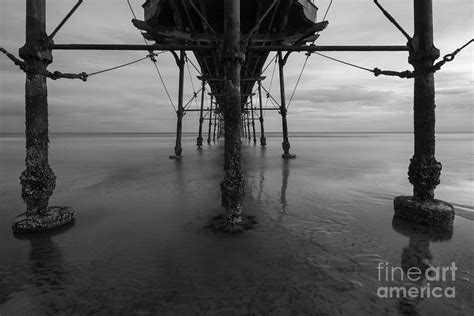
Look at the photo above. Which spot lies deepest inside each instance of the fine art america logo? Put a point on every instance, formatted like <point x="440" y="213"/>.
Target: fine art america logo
<point x="435" y="276"/>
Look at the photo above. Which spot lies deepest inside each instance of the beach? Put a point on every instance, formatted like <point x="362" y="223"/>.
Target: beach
<point x="324" y="223"/>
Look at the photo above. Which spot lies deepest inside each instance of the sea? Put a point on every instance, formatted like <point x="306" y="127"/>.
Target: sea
<point x="325" y="242"/>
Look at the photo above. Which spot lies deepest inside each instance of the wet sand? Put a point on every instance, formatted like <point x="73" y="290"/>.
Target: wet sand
<point x="325" y="221"/>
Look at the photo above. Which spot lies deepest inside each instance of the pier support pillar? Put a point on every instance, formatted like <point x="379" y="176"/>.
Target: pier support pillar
<point x="38" y="180"/>
<point x="249" y="136"/>
<point x="215" y="126"/>
<point x="424" y="171"/>
<point x="180" y="112"/>
<point x="201" y="116"/>
<point x="253" y="120"/>
<point x="263" y="140"/>
<point x="219" y="128"/>
<point x="283" y="111"/>
<point x="210" y="122"/>
<point x="233" y="184"/>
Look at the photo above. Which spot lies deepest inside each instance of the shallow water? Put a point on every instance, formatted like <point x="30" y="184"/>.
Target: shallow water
<point x="324" y="223"/>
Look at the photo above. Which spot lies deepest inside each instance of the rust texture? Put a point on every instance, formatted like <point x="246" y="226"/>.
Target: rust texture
<point x="263" y="140"/>
<point x="283" y="111"/>
<point x="233" y="184"/>
<point x="180" y="112"/>
<point x="210" y="122"/>
<point x="201" y="117"/>
<point x="253" y="120"/>
<point x="424" y="171"/>
<point x="38" y="180"/>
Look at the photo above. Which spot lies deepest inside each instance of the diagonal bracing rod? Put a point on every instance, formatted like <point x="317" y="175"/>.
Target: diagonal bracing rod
<point x="391" y="19"/>
<point x="56" y="30"/>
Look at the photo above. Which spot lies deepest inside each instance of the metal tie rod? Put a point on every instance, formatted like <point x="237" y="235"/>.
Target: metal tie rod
<point x="302" y="48"/>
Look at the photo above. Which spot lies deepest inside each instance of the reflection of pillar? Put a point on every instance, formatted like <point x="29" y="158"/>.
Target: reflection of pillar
<point x="201" y="117"/>
<point x="210" y="123"/>
<point x="38" y="180"/>
<point x="180" y="112"/>
<point x="284" y="185"/>
<point x="283" y="110"/>
<point x="45" y="259"/>
<point x="263" y="140"/>
<point x="417" y="254"/>
<point x="424" y="171"/>
<point x="45" y="262"/>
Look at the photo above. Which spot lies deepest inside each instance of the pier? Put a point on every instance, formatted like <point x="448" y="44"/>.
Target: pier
<point x="231" y="41"/>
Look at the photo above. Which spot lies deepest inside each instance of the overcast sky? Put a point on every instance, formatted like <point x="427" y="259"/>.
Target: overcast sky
<point x="330" y="96"/>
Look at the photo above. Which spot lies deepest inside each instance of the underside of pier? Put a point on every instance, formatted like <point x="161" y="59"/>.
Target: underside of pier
<point x="201" y="22"/>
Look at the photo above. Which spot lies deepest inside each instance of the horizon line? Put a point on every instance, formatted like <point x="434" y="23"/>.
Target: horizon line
<point x="327" y="132"/>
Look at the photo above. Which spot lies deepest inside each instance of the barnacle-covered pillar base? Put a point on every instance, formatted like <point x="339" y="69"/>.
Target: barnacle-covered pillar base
<point x="38" y="180"/>
<point x="424" y="171"/>
<point x="233" y="184"/>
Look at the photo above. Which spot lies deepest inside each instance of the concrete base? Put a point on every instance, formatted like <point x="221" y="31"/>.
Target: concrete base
<point x="56" y="216"/>
<point x="176" y="157"/>
<point x="219" y="223"/>
<point x="429" y="212"/>
<point x="288" y="156"/>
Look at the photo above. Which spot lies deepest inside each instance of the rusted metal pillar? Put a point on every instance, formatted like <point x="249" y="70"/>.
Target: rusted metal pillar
<point x="180" y="112"/>
<point x="38" y="180"/>
<point x="253" y="120"/>
<point x="233" y="184"/>
<point x="263" y="140"/>
<point x="249" y="136"/>
<point x="210" y="122"/>
<point x="215" y="126"/>
<point x="286" y="143"/>
<point x="221" y="127"/>
<point x="201" y="116"/>
<point x="424" y="171"/>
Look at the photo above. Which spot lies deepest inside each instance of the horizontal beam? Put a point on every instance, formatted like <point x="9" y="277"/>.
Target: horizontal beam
<point x="223" y="94"/>
<point x="264" y="109"/>
<point x="255" y="78"/>
<point x="244" y="109"/>
<point x="302" y="48"/>
<point x="197" y="110"/>
<point x="332" y="48"/>
<point x="128" y="47"/>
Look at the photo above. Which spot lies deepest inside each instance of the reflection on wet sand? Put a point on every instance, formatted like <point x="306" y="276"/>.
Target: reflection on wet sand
<point x="284" y="184"/>
<point x="46" y="271"/>
<point x="418" y="255"/>
<point x="140" y="247"/>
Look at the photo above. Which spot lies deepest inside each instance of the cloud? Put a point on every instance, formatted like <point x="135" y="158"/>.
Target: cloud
<point x="330" y="96"/>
